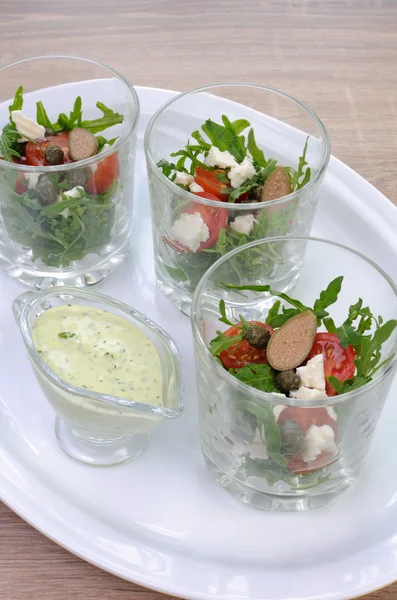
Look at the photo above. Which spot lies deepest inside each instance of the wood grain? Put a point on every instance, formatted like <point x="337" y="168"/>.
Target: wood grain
<point x="338" y="56"/>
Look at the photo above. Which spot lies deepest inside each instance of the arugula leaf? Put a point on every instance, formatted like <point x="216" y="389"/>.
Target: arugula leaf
<point x="296" y="175"/>
<point x="102" y="141"/>
<point x="271" y="471"/>
<point x="224" y="319"/>
<point x="266" y="422"/>
<point x="260" y="377"/>
<point x="55" y="238"/>
<point x="256" y="153"/>
<point x="273" y="311"/>
<point x="327" y="297"/>
<point x="240" y="125"/>
<point x="222" y="177"/>
<point x="108" y="119"/>
<point x="166" y="167"/>
<point x="201" y="141"/>
<point x="225" y="138"/>
<point x="17" y="103"/>
<point x="41" y="115"/>
<point x="223" y="342"/>
<point x="76" y="114"/>
<point x="301" y="165"/>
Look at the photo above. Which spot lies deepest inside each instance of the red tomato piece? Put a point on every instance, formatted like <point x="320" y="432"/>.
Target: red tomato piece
<point x="20" y="187"/>
<point x="106" y="172"/>
<point x="35" y="150"/>
<point x="215" y="219"/>
<point x="242" y="353"/>
<point x="338" y="361"/>
<point x="210" y="183"/>
<point x="305" y="418"/>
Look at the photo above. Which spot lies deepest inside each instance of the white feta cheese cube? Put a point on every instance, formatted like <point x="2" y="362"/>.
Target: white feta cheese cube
<point x="32" y="179"/>
<point x="305" y="393"/>
<point x="195" y="187"/>
<point x="243" y="223"/>
<point x="183" y="178"/>
<point x="26" y="126"/>
<point x="317" y="440"/>
<point x="312" y="375"/>
<point x="241" y="172"/>
<point x="190" y="230"/>
<point x="217" y="158"/>
<point x="74" y="192"/>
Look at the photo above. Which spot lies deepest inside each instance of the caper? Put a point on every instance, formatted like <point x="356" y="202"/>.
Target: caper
<point x="78" y="177"/>
<point x="49" y="132"/>
<point x="292" y="438"/>
<point x="286" y="381"/>
<point x="54" y="155"/>
<point x="257" y="336"/>
<point x="256" y="194"/>
<point x="46" y="191"/>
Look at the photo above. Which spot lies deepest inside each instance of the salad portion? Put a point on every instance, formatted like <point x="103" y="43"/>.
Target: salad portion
<point x="223" y="163"/>
<point x="298" y="352"/>
<point x="61" y="215"/>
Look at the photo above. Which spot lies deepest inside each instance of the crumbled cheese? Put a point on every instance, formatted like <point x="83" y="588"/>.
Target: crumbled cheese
<point x="183" y="178"/>
<point x="277" y="410"/>
<point x="195" y="188"/>
<point x="305" y="393"/>
<point x="217" y="158"/>
<point x="26" y="126"/>
<point x="74" y="192"/>
<point x="331" y="413"/>
<point x="243" y="223"/>
<point x="318" y="440"/>
<point x="312" y="375"/>
<point x="240" y="173"/>
<point x="32" y="179"/>
<point x="190" y="230"/>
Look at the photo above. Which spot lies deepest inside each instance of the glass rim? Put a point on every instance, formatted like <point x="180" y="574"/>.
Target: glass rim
<point x="233" y="205"/>
<point x="25" y="303"/>
<point x="97" y="157"/>
<point x="273" y="396"/>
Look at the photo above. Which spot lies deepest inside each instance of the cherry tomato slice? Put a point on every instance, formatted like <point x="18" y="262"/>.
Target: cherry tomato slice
<point x="20" y="187"/>
<point x="35" y="150"/>
<point x="210" y="183"/>
<point x="106" y="172"/>
<point x="338" y="361"/>
<point x="215" y="219"/>
<point x="242" y="353"/>
<point x="305" y="418"/>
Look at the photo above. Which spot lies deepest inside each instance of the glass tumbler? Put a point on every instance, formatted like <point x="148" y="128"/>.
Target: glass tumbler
<point x="94" y="428"/>
<point x="240" y="426"/>
<point x="78" y="239"/>
<point x="281" y="126"/>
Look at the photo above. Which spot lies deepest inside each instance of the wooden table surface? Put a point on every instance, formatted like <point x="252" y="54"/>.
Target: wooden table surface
<point x="338" y="56"/>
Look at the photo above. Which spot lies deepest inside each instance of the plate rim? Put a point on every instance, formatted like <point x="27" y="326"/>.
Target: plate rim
<point x="385" y="212"/>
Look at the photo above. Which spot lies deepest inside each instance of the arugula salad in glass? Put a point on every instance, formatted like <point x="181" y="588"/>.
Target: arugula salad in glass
<point x="291" y="384"/>
<point x="222" y="174"/>
<point x="65" y="175"/>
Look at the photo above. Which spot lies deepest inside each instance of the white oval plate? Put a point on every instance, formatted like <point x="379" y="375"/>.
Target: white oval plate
<point x="161" y="520"/>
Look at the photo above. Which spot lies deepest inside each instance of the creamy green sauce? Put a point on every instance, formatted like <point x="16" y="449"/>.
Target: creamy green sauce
<point x="97" y="350"/>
